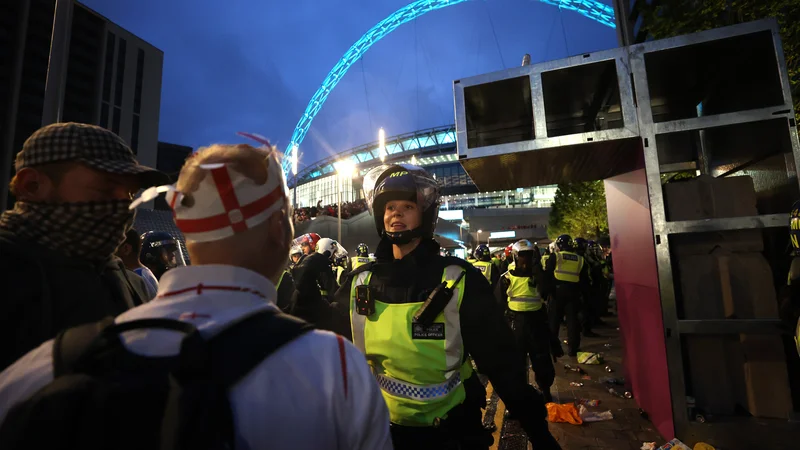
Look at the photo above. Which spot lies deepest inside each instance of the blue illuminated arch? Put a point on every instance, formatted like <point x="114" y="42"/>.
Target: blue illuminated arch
<point x="592" y="9"/>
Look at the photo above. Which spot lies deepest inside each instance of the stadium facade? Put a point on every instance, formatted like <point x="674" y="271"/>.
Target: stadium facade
<point x="435" y="150"/>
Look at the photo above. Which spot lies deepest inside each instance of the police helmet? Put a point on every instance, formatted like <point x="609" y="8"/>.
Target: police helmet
<point x="580" y="245"/>
<point x="362" y="250"/>
<point x="327" y="245"/>
<point x="482" y="252"/>
<point x="524" y="249"/>
<point x="402" y="182"/>
<point x="160" y="252"/>
<point x="564" y="242"/>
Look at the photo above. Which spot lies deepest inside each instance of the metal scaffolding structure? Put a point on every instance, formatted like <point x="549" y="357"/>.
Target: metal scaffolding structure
<point x="718" y="102"/>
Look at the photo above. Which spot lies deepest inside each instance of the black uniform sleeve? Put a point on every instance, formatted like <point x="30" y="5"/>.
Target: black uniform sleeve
<point x="489" y="340"/>
<point x="285" y="292"/>
<point x="307" y="302"/>
<point x="495" y="275"/>
<point x="500" y="293"/>
<point x="585" y="280"/>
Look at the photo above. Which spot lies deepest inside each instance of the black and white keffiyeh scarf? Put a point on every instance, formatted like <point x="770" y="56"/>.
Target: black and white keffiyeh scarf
<point x="89" y="230"/>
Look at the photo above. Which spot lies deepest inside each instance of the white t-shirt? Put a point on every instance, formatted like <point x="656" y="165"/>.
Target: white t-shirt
<point x="316" y="392"/>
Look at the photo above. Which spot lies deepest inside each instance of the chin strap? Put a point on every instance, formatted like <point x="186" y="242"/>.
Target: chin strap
<point x="403" y="237"/>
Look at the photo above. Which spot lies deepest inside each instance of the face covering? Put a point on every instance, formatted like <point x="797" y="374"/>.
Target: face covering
<point x="88" y="230"/>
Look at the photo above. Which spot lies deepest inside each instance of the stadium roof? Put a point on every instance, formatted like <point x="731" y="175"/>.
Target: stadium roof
<point x="437" y="143"/>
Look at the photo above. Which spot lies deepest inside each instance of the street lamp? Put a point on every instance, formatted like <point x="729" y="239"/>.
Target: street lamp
<point x="344" y="169"/>
<point x="382" y="144"/>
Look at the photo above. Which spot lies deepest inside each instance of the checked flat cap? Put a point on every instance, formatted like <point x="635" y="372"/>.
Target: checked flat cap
<point x="92" y="145"/>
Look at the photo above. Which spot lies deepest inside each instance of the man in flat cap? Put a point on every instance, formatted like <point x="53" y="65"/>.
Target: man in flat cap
<point x="73" y="185"/>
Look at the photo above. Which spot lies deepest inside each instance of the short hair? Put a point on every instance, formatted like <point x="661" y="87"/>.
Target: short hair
<point x="54" y="171"/>
<point x="133" y="239"/>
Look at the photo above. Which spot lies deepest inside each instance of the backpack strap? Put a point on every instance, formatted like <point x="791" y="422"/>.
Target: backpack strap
<point x="241" y="347"/>
<point x="71" y="344"/>
<point x="71" y="347"/>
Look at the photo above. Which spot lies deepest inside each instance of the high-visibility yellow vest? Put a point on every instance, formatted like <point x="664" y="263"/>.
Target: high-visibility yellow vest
<point x="512" y="265"/>
<point x="358" y="261"/>
<point x="419" y="370"/>
<point x="485" y="268"/>
<point x="471" y="260"/>
<point x="568" y="267"/>
<point x="544" y="260"/>
<point x="523" y="296"/>
<point x="339" y="270"/>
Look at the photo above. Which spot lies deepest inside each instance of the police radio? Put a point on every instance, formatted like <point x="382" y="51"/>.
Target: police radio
<point x="435" y="302"/>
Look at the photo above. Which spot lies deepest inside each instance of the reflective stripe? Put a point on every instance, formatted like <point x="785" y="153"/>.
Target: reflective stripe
<point x="453" y="346"/>
<point x="357" y="321"/>
<point x="417" y="392"/>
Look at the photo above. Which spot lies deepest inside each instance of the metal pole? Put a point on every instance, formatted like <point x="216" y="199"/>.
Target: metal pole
<point x="339" y="207"/>
<point x="57" y="65"/>
<point x="8" y="151"/>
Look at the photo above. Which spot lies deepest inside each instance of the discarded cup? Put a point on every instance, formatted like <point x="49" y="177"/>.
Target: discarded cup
<point x="576" y="384"/>
<point x="588" y="402"/>
<point x="628" y="395"/>
<point x="609" y="369"/>
<point x="700" y="418"/>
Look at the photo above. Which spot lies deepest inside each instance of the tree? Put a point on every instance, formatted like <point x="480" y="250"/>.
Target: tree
<point x="579" y="209"/>
<point x="663" y="19"/>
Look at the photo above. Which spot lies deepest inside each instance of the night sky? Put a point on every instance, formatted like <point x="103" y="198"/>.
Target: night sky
<point x="253" y="65"/>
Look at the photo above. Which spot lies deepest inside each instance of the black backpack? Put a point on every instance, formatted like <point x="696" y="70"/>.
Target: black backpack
<point x="105" y="397"/>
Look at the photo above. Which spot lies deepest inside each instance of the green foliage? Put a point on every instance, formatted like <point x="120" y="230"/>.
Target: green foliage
<point x="579" y="209"/>
<point x="676" y="17"/>
<point x="675" y="176"/>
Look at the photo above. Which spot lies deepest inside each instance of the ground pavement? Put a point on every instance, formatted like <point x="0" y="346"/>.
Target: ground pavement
<point x="627" y="430"/>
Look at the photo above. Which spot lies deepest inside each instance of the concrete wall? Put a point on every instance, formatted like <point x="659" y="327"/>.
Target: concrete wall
<point x="638" y="297"/>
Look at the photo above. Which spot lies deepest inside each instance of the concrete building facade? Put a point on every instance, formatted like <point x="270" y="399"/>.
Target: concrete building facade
<point x="112" y="78"/>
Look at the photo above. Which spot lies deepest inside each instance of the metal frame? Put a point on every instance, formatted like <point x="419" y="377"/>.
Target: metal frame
<point x="638" y="122"/>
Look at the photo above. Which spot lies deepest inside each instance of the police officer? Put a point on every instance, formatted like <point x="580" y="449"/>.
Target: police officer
<point x="545" y="256"/>
<point x="485" y="265"/>
<point x="588" y="313"/>
<point x="600" y="282"/>
<point x="419" y="317"/>
<point x="361" y="258"/>
<point x="160" y="252"/>
<point x="520" y="290"/>
<point x="571" y="276"/>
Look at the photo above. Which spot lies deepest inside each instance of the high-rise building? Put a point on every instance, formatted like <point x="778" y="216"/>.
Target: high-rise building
<point x="112" y="79"/>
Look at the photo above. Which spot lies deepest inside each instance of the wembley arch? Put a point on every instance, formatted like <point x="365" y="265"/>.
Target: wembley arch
<point x="593" y="9"/>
